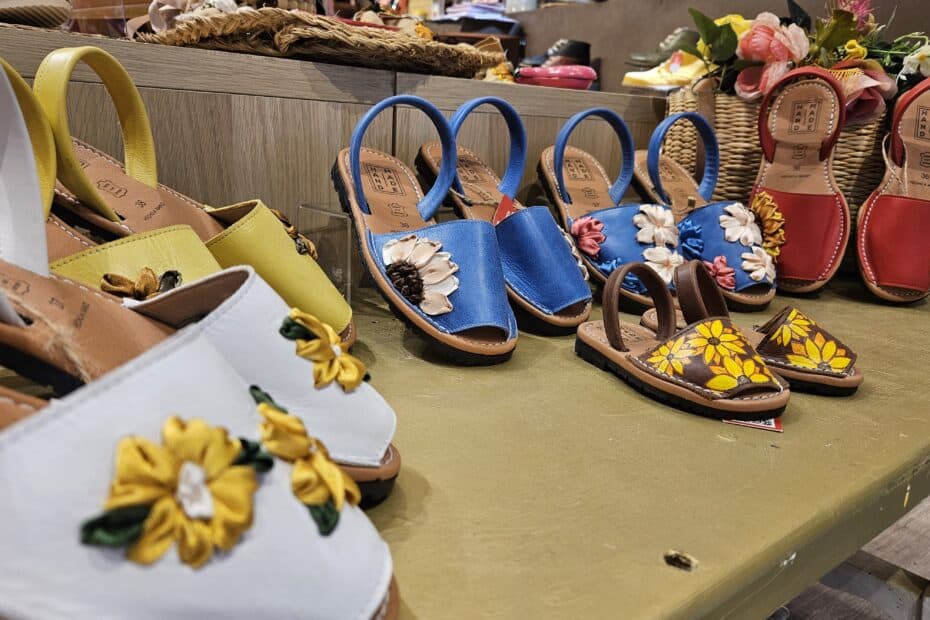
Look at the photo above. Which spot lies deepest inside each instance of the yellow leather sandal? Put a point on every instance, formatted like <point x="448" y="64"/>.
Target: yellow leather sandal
<point x="115" y="201"/>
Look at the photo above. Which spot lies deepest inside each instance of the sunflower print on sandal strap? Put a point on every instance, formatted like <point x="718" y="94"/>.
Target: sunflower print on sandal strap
<point x="794" y="340"/>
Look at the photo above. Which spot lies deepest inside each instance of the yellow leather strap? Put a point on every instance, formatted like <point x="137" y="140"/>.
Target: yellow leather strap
<point x="51" y="89"/>
<point x="40" y="134"/>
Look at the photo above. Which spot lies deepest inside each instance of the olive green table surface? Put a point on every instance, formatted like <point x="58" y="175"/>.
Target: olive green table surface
<point x="546" y="488"/>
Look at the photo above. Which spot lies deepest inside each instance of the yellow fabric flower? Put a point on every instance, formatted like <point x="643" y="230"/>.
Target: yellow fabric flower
<point x="330" y="357"/>
<point x="714" y="341"/>
<point x="854" y="51"/>
<point x="738" y="23"/>
<point x="796" y="326"/>
<point x="771" y="221"/>
<point x="283" y="434"/>
<point x="736" y="371"/>
<point x="670" y="359"/>
<point x="818" y="353"/>
<point x="200" y="500"/>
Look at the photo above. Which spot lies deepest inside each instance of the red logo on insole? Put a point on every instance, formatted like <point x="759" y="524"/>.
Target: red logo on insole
<point x="922" y="130"/>
<point x="383" y="180"/>
<point x="804" y="116"/>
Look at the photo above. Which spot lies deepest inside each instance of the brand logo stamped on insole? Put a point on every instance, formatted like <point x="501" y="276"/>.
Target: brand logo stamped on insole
<point x="922" y="130"/>
<point x="469" y="172"/>
<point x="804" y="116"/>
<point x="799" y="151"/>
<point x="383" y="180"/>
<point x="577" y="170"/>
<point x="925" y="160"/>
<point x="108" y="186"/>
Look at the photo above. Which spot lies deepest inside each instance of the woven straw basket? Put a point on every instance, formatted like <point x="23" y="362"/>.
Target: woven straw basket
<point x="857" y="162"/>
<point x="276" y="32"/>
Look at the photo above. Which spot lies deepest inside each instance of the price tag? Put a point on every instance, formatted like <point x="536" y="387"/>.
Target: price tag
<point x="772" y="424"/>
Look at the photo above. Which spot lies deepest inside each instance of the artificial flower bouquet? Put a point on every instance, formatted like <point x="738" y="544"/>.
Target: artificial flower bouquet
<point x="746" y="57"/>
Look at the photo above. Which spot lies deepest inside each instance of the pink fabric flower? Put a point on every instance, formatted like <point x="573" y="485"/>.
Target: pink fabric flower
<point x="588" y="232"/>
<point x="863" y="12"/>
<point x="723" y="274"/>
<point x="753" y="82"/>
<point x="866" y="86"/>
<point x="773" y="44"/>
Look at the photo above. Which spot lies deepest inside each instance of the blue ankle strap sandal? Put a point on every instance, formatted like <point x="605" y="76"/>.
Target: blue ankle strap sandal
<point x="608" y="234"/>
<point x="725" y="235"/>
<point x="545" y="282"/>
<point x="443" y="279"/>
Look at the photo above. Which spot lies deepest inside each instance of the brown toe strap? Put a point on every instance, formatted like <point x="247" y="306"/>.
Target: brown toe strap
<point x="658" y="291"/>
<point x="711" y="358"/>
<point x="698" y="294"/>
<point x="793" y="340"/>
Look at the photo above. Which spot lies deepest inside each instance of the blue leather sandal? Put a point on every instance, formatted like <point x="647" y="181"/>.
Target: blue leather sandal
<point x="608" y="234"/>
<point x="545" y="280"/>
<point x="443" y="279"/>
<point x="737" y="244"/>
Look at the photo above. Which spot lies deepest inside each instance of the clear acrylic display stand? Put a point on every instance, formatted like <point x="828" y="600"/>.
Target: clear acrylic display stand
<point x="331" y="232"/>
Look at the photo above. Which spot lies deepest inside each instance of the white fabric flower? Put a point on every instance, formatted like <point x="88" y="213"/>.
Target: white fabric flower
<point x="740" y="225"/>
<point x="575" y="253"/>
<point x="918" y="62"/>
<point x="421" y="273"/>
<point x="656" y="225"/>
<point x="663" y="261"/>
<point x="759" y="264"/>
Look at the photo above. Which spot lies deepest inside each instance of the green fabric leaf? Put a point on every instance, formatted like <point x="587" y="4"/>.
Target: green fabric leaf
<point x="836" y="31"/>
<point x="706" y="27"/>
<point x="725" y="47"/>
<point x="292" y="330"/>
<point x="253" y="456"/>
<point x="260" y="396"/>
<point x="115" y="528"/>
<point x="691" y="49"/>
<point x="326" y="517"/>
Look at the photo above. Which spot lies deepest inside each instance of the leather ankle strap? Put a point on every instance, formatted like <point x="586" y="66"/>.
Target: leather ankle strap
<point x="658" y="291"/>
<point x="698" y="294"/>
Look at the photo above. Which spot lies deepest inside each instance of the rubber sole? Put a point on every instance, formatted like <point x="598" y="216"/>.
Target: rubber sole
<point x="457" y="356"/>
<point x="38" y="371"/>
<point x="375" y="491"/>
<point x="818" y="389"/>
<point x="592" y="356"/>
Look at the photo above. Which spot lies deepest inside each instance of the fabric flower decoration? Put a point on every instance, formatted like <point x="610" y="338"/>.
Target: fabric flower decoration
<point x="589" y="234"/>
<point x="194" y="491"/>
<point x="692" y="243"/>
<point x="862" y="11"/>
<point x="918" y="62"/>
<point x="740" y="225"/>
<point x="854" y="51"/>
<point x="656" y="226"/>
<point x="759" y="264"/>
<point x="774" y="45"/>
<point x="737" y="22"/>
<point x="722" y="273"/>
<point x="767" y="213"/>
<point x="866" y="86"/>
<point x="575" y="254"/>
<point x="319" y="343"/>
<point x="421" y="273"/>
<point x="663" y="261"/>
<point x="146" y="286"/>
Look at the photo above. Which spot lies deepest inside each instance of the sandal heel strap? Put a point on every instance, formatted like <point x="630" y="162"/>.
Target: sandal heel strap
<point x="711" y="153"/>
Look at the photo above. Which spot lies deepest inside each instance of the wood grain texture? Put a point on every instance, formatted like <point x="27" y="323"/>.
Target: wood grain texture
<point x="161" y="66"/>
<point x="907" y="542"/>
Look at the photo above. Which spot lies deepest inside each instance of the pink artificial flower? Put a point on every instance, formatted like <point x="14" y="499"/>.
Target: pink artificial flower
<point x="753" y="82"/>
<point x="861" y="9"/>
<point x="588" y="232"/>
<point x="767" y="41"/>
<point x="866" y="86"/>
<point x="724" y="275"/>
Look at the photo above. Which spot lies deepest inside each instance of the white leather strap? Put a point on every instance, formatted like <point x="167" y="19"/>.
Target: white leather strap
<point x="8" y="314"/>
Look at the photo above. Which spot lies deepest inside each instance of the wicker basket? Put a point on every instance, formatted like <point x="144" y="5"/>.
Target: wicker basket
<point x="276" y="32"/>
<point x="857" y="162"/>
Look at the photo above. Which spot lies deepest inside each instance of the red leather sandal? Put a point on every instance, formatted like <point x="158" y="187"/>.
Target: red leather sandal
<point x="894" y="223"/>
<point x="799" y="124"/>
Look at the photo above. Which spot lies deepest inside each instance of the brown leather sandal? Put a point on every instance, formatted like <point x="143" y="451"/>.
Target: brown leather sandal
<point x="794" y="346"/>
<point x="707" y="368"/>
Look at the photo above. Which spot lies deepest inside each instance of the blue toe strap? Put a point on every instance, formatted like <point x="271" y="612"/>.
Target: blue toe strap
<point x="711" y="153"/>
<point x="481" y="299"/>
<point x="538" y="263"/>
<point x="702" y="236"/>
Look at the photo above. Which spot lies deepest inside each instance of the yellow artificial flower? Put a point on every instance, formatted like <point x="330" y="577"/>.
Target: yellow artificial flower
<point x="283" y="434"/>
<point x="796" y="326"/>
<point x="713" y="340"/>
<point x="771" y="222"/>
<point x="330" y="357"/>
<point x="819" y="354"/>
<point x="855" y="51"/>
<point x="738" y="23"/>
<point x="199" y="499"/>
<point x="736" y="371"/>
<point x="670" y="359"/>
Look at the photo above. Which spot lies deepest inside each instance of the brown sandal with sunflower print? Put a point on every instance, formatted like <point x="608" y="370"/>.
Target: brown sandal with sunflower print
<point x="791" y="343"/>
<point x="719" y="376"/>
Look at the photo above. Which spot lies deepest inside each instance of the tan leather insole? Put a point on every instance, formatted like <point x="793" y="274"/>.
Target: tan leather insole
<point x="392" y="192"/>
<point x="15" y="406"/>
<point x="914" y="130"/>
<point x="677" y="182"/>
<point x="586" y="181"/>
<point x="142" y="208"/>
<point x="478" y="180"/>
<point x="801" y="119"/>
<point x="63" y="239"/>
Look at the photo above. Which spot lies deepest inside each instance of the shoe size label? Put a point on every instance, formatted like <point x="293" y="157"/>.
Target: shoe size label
<point x="922" y="127"/>
<point x="383" y="180"/>
<point x="805" y="116"/>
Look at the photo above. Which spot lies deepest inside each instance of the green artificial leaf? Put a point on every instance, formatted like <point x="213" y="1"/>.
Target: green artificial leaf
<point x="115" y="528"/>
<point x="706" y="27"/>
<point x="690" y="49"/>
<point x="725" y="48"/>
<point x="798" y="15"/>
<point x="292" y="330"/>
<point x="253" y="456"/>
<point x="260" y="396"/>
<point x="836" y="31"/>
<point x="326" y="517"/>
